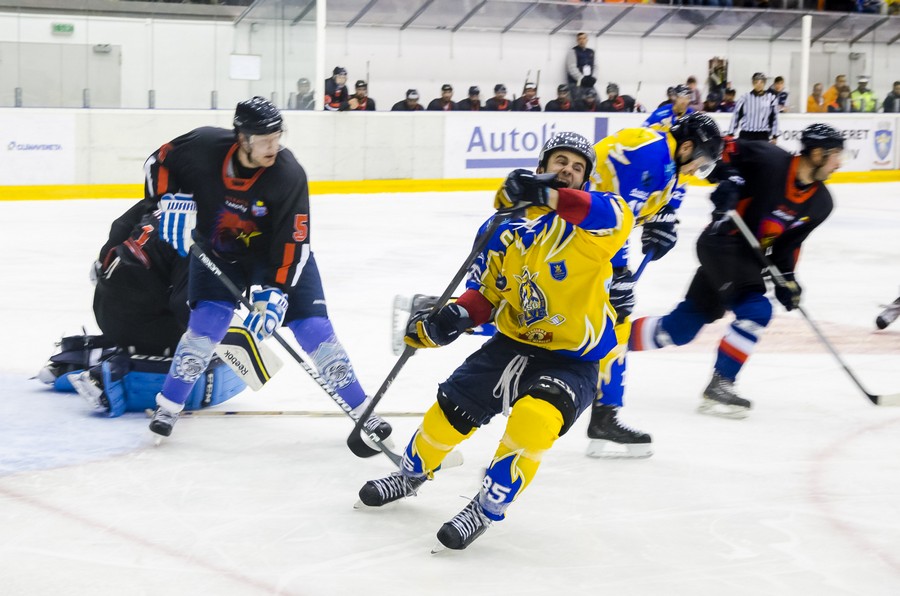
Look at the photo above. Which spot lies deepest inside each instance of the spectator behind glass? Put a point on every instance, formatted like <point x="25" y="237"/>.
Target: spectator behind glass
<point x="304" y="99"/>
<point x="529" y="102"/>
<point x="862" y="99"/>
<point x="842" y="102"/>
<point x="588" y="101"/>
<point x="471" y="103"/>
<point x="831" y="94"/>
<point x="815" y="103"/>
<point x="336" y="91"/>
<point x="696" y="97"/>
<point x="777" y="89"/>
<point x="580" y="71"/>
<point x="360" y="100"/>
<point x="563" y="101"/>
<point x="728" y="102"/>
<point x="615" y="102"/>
<point x="712" y="102"/>
<point x="498" y="103"/>
<point x="444" y="102"/>
<point x="892" y="99"/>
<point x="410" y="104"/>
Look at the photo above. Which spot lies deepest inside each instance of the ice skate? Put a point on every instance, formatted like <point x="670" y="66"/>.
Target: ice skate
<point x="463" y="529"/>
<point x="376" y="493"/>
<point x="164" y="418"/>
<point x="89" y="388"/>
<point x="719" y="399"/>
<point x="611" y="439"/>
<point x="888" y="315"/>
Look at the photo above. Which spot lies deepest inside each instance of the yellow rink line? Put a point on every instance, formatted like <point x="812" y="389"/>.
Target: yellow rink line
<point x="135" y="191"/>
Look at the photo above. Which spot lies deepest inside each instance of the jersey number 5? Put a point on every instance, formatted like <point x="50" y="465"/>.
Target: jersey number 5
<point x="301" y="227"/>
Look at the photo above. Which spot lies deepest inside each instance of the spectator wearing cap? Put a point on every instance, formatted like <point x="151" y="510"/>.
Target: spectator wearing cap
<point x="756" y="113"/>
<point x="696" y="102"/>
<point x="304" y="99"/>
<point x="563" y="101"/>
<point x="588" y="101"/>
<point x="728" y="102"/>
<point x="473" y="102"/>
<point x="498" y="103"/>
<point x="360" y="100"/>
<point x="615" y="102"/>
<point x="781" y="96"/>
<point x="663" y="118"/>
<point x="580" y="66"/>
<point x="444" y="102"/>
<point x="892" y="100"/>
<point x="815" y="103"/>
<point x="336" y="93"/>
<point x="712" y="102"/>
<point x="670" y="97"/>
<point x="410" y="104"/>
<point x="831" y="94"/>
<point x="862" y="99"/>
<point x="529" y="102"/>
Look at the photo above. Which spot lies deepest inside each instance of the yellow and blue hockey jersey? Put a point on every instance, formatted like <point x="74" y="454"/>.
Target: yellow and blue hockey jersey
<point x="547" y="274"/>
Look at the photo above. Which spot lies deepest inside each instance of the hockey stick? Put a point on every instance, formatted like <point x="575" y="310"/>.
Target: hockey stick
<point x="778" y="278"/>
<point x="640" y="270"/>
<point x="298" y="413"/>
<point x="499" y="217"/>
<point x="347" y="408"/>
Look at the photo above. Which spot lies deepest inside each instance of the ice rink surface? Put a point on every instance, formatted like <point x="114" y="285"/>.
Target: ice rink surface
<point x="802" y="497"/>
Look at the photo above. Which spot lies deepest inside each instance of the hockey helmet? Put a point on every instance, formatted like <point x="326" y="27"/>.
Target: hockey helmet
<point x="569" y="141"/>
<point x="702" y="130"/>
<point x="820" y="135"/>
<point x="257" y="116"/>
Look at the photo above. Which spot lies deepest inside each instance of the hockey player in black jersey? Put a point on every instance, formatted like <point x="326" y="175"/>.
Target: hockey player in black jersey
<point x="244" y="200"/>
<point x="782" y="198"/>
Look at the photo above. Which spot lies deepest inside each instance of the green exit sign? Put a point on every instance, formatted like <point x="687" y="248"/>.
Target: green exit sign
<point x="63" y="28"/>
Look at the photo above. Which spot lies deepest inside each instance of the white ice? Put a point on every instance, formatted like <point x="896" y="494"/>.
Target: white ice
<point x="803" y="497"/>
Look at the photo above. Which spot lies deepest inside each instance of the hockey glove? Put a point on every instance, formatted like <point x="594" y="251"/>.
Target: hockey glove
<point x="269" y="308"/>
<point x="726" y="195"/>
<point x="659" y="234"/>
<point x="441" y="329"/>
<point x="523" y="189"/>
<point x="177" y="219"/>
<point x="788" y="294"/>
<point x="621" y="293"/>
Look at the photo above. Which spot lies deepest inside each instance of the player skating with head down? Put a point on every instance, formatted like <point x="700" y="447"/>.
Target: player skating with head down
<point x="782" y="198"/>
<point x="249" y="200"/>
<point x="647" y="167"/>
<point x="545" y="274"/>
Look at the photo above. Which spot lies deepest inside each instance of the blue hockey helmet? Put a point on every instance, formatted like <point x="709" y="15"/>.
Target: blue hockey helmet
<point x="569" y="141"/>
<point x="257" y="116"/>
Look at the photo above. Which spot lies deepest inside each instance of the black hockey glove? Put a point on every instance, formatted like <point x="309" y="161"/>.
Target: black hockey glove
<point x="726" y="195"/>
<point x="439" y="330"/>
<point x="789" y="293"/>
<point x="523" y="188"/>
<point x="621" y="293"/>
<point x="659" y="234"/>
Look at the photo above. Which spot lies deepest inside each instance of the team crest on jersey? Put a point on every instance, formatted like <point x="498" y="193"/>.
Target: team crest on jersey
<point x="259" y="209"/>
<point x="532" y="298"/>
<point x="558" y="270"/>
<point x="537" y="336"/>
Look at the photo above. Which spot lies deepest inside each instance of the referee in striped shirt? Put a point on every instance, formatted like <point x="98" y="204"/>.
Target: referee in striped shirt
<point x="756" y="113"/>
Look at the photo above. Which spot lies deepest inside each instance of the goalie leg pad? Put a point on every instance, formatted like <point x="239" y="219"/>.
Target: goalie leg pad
<point x="253" y="362"/>
<point x="533" y="426"/>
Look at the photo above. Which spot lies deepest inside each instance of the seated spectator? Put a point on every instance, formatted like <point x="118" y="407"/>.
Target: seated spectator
<point x="862" y="99"/>
<point x="777" y="89"/>
<point x="696" y="97"/>
<point x="728" y="102"/>
<point x="361" y="100"/>
<point x="892" y="100"/>
<point x="712" y="102"/>
<point x="304" y="99"/>
<point x="670" y="97"/>
<point x="336" y="91"/>
<point x="588" y="101"/>
<point x="563" y="101"/>
<point x="842" y="103"/>
<point x="444" y="102"/>
<point x="615" y="102"/>
<point x="498" y="103"/>
<point x="471" y="103"/>
<point x="410" y="104"/>
<point x="529" y="102"/>
<point x="815" y="103"/>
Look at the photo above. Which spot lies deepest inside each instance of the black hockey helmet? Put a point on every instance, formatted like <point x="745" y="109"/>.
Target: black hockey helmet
<point x="703" y="131"/>
<point x="820" y="135"/>
<point x="257" y="116"/>
<point x="569" y="141"/>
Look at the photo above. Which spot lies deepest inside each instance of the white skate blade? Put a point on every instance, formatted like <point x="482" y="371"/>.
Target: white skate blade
<point x="713" y="408"/>
<point x="603" y="449"/>
<point x="157" y="439"/>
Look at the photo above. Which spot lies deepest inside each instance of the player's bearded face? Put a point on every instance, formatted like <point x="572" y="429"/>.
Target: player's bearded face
<point x="262" y="150"/>
<point x="569" y="167"/>
<point x="826" y="163"/>
<point x="690" y="163"/>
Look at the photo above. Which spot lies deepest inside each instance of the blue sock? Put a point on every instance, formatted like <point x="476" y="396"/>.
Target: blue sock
<point x="316" y="336"/>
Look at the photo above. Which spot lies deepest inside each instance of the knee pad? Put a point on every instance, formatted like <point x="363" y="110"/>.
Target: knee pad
<point x="316" y="336"/>
<point x="434" y="439"/>
<point x="753" y="307"/>
<point x="534" y="425"/>
<point x="559" y="395"/>
<point x="211" y="319"/>
<point x="458" y="418"/>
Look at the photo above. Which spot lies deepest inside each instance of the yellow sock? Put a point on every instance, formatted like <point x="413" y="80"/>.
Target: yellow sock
<point x="434" y="439"/>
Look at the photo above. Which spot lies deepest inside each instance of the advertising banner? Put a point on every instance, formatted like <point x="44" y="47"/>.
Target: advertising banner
<point x="37" y="148"/>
